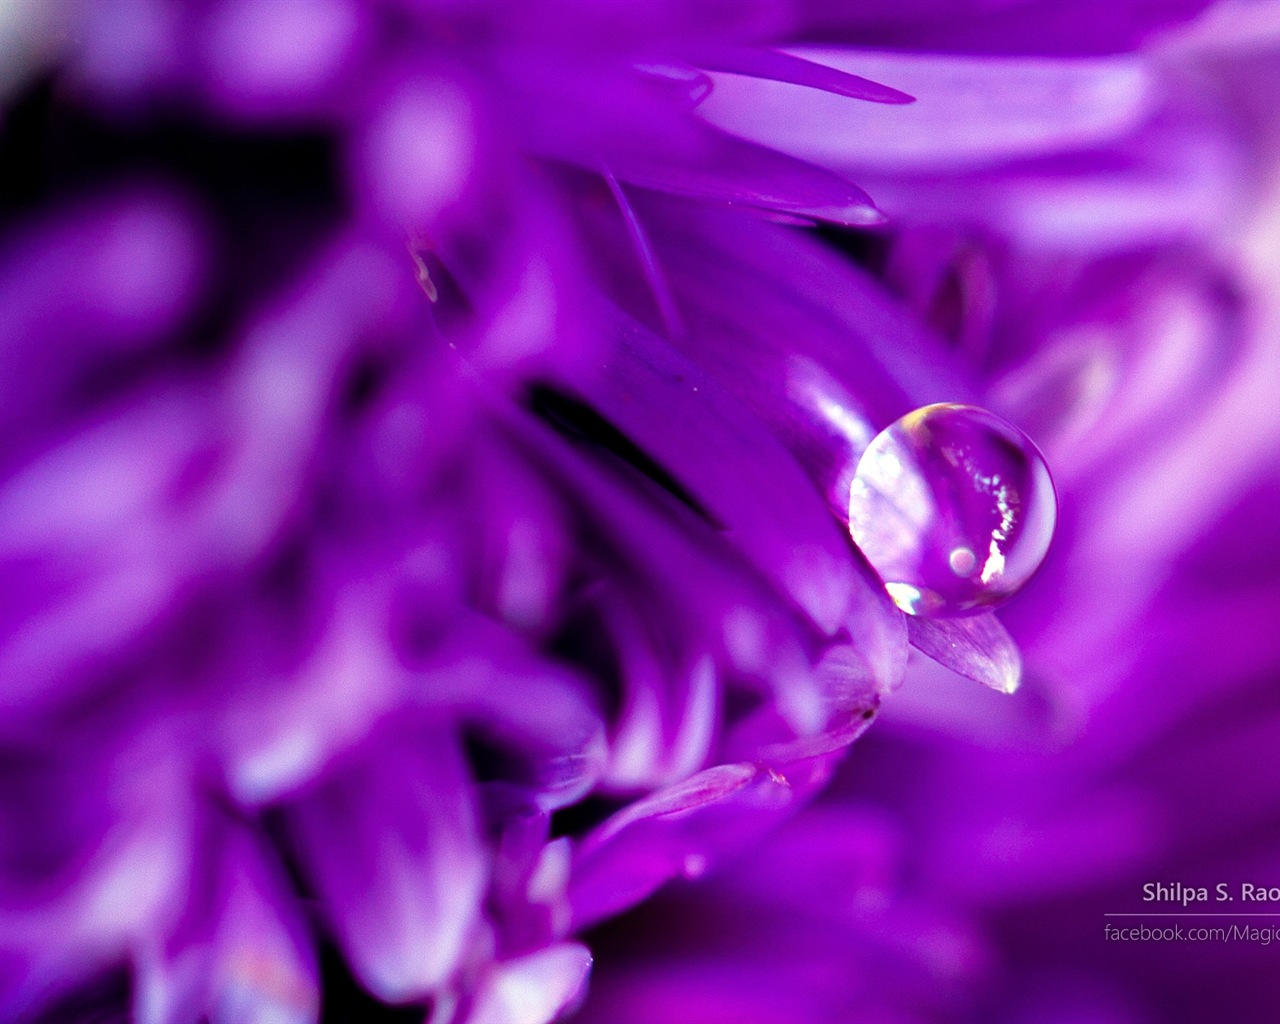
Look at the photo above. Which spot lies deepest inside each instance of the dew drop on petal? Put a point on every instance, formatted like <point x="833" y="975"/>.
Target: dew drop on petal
<point x="955" y="509"/>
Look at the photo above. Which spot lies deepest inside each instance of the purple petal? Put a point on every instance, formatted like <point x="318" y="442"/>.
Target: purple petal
<point x="811" y="346"/>
<point x="240" y="953"/>
<point x="653" y="272"/>
<point x="286" y="727"/>
<point x="527" y="899"/>
<point x="750" y="627"/>
<point x="778" y="66"/>
<point x="91" y="548"/>
<point x="970" y="111"/>
<point x="627" y="126"/>
<point x="758" y="638"/>
<point x="726" y="169"/>
<point x="538" y="713"/>
<point x="431" y="164"/>
<point x="251" y="71"/>
<point x="852" y="699"/>
<point x="88" y="871"/>
<point x="1177" y="178"/>
<point x="730" y="464"/>
<point x="676" y="831"/>
<point x="107" y="532"/>
<point x="533" y="989"/>
<point x="105" y="280"/>
<point x="402" y="888"/>
<point x="669" y="713"/>
<point x="977" y="647"/>
<point x="1024" y="27"/>
<point x="524" y="535"/>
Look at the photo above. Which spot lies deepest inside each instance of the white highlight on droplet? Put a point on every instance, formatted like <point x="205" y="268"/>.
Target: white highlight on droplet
<point x="962" y="561"/>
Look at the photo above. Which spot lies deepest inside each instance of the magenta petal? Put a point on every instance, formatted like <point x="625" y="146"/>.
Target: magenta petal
<point x="106" y="533"/>
<point x="91" y="545"/>
<point x="977" y="647"/>
<point x="627" y="127"/>
<point x="524" y="535"/>
<point x="533" y="989"/>
<point x="285" y="727"/>
<point x="731" y="465"/>
<point x="721" y="167"/>
<point x="544" y="717"/>
<point x="103" y="281"/>
<point x="402" y="887"/>
<point x="823" y="356"/>
<point x="852" y="698"/>
<point x="670" y="707"/>
<point x="970" y="112"/>
<point x="779" y="66"/>
<point x="95" y="844"/>
<point x="527" y="894"/>
<point x="240" y="954"/>
<point x="676" y="831"/>
<point x="757" y="638"/>
<point x="1174" y="176"/>
<point x="984" y="27"/>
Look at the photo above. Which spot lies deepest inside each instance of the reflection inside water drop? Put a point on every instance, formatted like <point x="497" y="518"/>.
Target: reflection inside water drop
<point x="955" y="509"/>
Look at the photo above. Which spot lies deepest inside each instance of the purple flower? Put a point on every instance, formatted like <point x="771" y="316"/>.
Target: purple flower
<point x="358" y="527"/>
<point x="1110" y="291"/>
<point x="435" y="441"/>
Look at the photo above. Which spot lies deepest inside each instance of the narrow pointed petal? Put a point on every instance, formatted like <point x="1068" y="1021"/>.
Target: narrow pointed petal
<point x="288" y="726"/>
<point x="527" y="897"/>
<point x="729" y="463"/>
<point x="523" y="533"/>
<point x="852" y="699"/>
<point x="721" y="167"/>
<point x="639" y="238"/>
<point x="533" y="989"/>
<point x="977" y="647"/>
<point x="240" y="955"/>
<point x="630" y="130"/>
<point x="545" y="719"/>
<point x="670" y="706"/>
<point x="676" y="831"/>
<point x="779" y="66"/>
<point x="762" y="640"/>
<point x="971" y="111"/>
<point x="403" y="887"/>
<point x="825" y="357"/>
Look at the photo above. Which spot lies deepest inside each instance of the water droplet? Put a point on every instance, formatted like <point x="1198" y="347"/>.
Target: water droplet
<point x="954" y="507"/>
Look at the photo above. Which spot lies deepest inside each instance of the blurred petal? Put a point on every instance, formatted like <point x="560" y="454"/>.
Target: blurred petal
<point x="404" y="886"/>
<point x="534" y="989"/>
<point x="239" y="954"/>
<point x="680" y="830"/>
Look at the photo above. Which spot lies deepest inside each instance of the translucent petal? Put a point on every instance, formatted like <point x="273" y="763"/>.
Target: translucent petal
<point x="977" y="647"/>
<point x="403" y="887"/>
<point x="241" y="952"/>
<point x="971" y="111"/>
<point x="780" y="66"/>
<point x="533" y="989"/>
<point x="676" y="831"/>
